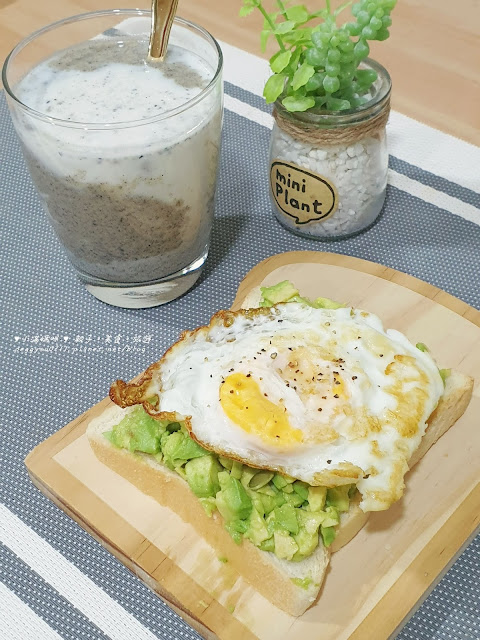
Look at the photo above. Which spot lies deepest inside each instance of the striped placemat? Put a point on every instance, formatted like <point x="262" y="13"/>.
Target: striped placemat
<point x="56" y="581"/>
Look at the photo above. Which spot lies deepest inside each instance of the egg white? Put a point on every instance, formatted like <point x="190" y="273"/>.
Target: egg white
<point x="342" y="344"/>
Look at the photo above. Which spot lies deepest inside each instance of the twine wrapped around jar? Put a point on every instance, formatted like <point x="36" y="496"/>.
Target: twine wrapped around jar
<point x="340" y="135"/>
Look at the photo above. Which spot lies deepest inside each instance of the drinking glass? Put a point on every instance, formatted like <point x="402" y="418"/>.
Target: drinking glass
<point x="131" y="201"/>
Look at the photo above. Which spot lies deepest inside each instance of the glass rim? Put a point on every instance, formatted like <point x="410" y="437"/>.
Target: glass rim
<point x="346" y="116"/>
<point x="111" y="125"/>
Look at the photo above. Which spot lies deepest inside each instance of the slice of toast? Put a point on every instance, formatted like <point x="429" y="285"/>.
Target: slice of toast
<point x="272" y="577"/>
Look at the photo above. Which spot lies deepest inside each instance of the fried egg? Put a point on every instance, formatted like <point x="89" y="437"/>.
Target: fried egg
<point x="326" y="396"/>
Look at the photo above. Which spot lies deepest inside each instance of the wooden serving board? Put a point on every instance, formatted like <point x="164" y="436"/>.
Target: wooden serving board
<point x="377" y="580"/>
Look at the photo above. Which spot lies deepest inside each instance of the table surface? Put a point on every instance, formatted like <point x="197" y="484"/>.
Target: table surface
<point x="433" y="54"/>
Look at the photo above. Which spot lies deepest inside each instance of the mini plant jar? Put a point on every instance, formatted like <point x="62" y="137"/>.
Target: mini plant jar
<point x="328" y="152"/>
<point x="328" y="170"/>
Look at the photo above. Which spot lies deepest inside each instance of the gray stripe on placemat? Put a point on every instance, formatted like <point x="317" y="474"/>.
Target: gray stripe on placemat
<point x="416" y="173"/>
<point x="247" y="96"/>
<point x="47" y="603"/>
<point x="431" y="180"/>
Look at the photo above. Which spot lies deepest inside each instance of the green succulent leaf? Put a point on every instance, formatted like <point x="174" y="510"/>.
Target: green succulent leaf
<point x="361" y="50"/>
<point x="366" y="77"/>
<point x="315" y="82"/>
<point x="280" y="60"/>
<point x="297" y="14"/>
<point x="294" y="62"/>
<point x="264" y="35"/>
<point x="246" y="10"/>
<point x="284" y="27"/>
<point x="337" y="104"/>
<point x="331" y="84"/>
<point x="274" y="87"/>
<point x="320" y="102"/>
<point x="292" y="103"/>
<point x="300" y="36"/>
<point x="302" y="75"/>
<point x="383" y="34"/>
<point x="248" y="6"/>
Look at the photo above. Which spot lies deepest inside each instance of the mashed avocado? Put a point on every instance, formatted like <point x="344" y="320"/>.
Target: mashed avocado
<point x="275" y="512"/>
<point x="286" y="292"/>
<point x="444" y="373"/>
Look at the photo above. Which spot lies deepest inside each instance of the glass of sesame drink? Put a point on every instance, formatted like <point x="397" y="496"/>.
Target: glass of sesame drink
<point x="123" y="150"/>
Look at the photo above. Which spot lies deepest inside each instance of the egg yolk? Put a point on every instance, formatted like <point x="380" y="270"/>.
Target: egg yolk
<point x="245" y="405"/>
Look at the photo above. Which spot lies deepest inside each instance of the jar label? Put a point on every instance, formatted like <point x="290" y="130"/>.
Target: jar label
<point x="300" y="194"/>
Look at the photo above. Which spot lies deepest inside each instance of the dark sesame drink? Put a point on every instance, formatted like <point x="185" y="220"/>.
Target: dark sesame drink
<point x="130" y="193"/>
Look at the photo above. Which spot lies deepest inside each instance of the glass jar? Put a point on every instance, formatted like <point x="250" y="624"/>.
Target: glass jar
<point x="328" y="171"/>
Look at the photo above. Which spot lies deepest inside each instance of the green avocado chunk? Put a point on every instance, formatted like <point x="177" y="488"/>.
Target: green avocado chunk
<point x="279" y="481"/>
<point x="328" y="535"/>
<point x="269" y="502"/>
<point x="232" y="500"/>
<point x="138" y="431"/>
<point x="304" y="583"/>
<point x="317" y="497"/>
<point x="326" y="303"/>
<point x="318" y="303"/>
<point x="209" y="505"/>
<point x="331" y="518"/>
<point x="257" y="531"/>
<point x="294" y="499"/>
<point x="306" y="543"/>
<point x="236" y="470"/>
<point x="257" y="502"/>
<point x="286" y="292"/>
<point x="285" y="545"/>
<point x="444" y="373"/>
<point x="338" y="497"/>
<point x="202" y="476"/>
<point x="280" y="292"/>
<point x="301" y="488"/>
<point x="180" y="447"/>
<point x="225" y="462"/>
<point x="267" y="545"/>
<point x="307" y="536"/>
<point x="310" y="521"/>
<point x="422" y="346"/>
<point x="285" y="518"/>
